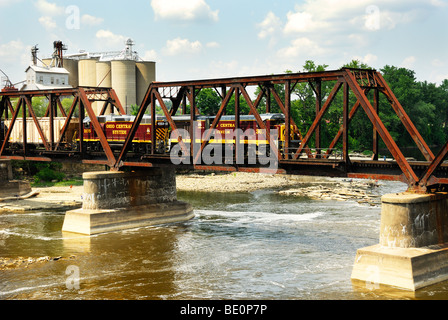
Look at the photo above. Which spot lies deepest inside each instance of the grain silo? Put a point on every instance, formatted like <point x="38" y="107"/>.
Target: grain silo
<point x="72" y="67"/>
<point x="87" y="72"/>
<point x="145" y="73"/>
<point x="104" y="74"/>
<point x="124" y="82"/>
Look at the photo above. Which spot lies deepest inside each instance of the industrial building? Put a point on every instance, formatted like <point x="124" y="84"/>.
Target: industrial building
<point x="51" y="76"/>
<point x="124" y="71"/>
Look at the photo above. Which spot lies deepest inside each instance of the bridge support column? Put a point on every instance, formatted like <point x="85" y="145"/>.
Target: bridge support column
<point x="413" y="248"/>
<point x="8" y="186"/>
<point x="122" y="200"/>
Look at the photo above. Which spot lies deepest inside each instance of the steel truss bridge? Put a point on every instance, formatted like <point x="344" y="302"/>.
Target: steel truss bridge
<point x="421" y="176"/>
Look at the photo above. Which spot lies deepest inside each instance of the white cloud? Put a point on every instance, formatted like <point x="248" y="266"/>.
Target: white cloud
<point x="9" y="51"/>
<point x="269" y="26"/>
<point x="182" y="46"/>
<point x="408" y="62"/>
<point x="301" y="47"/>
<point x="150" y="55"/>
<point x="212" y="44"/>
<point x="302" y="22"/>
<point x="48" y="8"/>
<point x="329" y="16"/>
<point x="111" y="39"/>
<point x="439" y="3"/>
<point x="91" y="20"/>
<point x="47" y="22"/>
<point x="192" y="10"/>
<point x="369" y="59"/>
<point x="4" y="3"/>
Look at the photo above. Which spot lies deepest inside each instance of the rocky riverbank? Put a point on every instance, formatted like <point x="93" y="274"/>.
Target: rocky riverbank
<point x="45" y="199"/>
<point x="317" y="188"/>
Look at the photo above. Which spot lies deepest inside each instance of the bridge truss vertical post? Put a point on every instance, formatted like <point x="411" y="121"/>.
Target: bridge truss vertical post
<point x="193" y="107"/>
<point x="238" y="151"/>
<point x="24" y="131"/>
<point x="345" y="125"/>
<point x="318" y="91"/>
<point x="375" y="147"/>
<point x="287" y="119"/>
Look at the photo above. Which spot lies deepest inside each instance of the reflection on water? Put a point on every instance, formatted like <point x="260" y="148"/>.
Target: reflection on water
<point x="239" y="246"/>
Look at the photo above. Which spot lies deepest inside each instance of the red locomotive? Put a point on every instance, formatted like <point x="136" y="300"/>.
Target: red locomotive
<point x="116" y="129"/>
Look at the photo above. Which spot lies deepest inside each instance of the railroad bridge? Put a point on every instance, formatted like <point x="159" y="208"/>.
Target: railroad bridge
<point x="172" y="98"/>
<point x="172" y="107"/>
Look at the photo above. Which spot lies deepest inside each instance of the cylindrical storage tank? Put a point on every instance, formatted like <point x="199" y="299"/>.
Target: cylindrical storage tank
<point x="87" y="77"/>
<point x="124" y="82"/>
<point x="145" y="74"/>
<point x="71" y="65"/>
<point x="104" y="74"/>
<point x="87" y="72"/>
<point x="104" y="79"/>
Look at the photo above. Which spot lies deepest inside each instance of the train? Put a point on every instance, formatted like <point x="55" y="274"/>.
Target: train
<point x="116" y="129"/>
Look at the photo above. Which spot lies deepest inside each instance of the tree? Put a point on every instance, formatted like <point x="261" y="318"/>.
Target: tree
<point x="208" y="102"/>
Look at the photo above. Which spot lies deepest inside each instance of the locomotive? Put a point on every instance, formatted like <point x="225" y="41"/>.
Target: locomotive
<point x="116" y="129"/>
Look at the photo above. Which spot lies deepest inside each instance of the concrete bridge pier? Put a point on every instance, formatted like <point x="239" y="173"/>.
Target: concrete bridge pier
<point x="123" y="200"/>
<point x="413" y="248"/>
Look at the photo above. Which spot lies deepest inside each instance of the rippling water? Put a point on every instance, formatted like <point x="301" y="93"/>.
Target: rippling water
<point x="240" y="246"/>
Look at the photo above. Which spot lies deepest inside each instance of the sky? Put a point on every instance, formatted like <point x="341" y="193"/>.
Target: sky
<point x="202" y="39"/>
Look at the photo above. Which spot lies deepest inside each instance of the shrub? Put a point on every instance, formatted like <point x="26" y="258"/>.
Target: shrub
<point x="48" y="175"/>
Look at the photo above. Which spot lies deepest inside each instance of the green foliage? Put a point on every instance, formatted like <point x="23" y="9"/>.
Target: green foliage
<point x="41" y="171"/>
<point x="48" y="175"/>
<point x="208" y="101"/>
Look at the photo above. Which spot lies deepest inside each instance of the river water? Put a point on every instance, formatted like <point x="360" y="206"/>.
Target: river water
<point x="260" y="246"/>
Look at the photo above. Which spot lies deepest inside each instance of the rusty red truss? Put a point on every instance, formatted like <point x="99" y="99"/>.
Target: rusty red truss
<point x="54" y="142"/>
<point x="298" y="152"/>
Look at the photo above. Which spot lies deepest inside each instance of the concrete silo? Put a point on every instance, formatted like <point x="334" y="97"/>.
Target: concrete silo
<point x="87" y="72"/>
<point x="71" y="66"/>
<point x="103" y="79"/>
<point x="104" y="74"/>
<point x="124" y="82"/>
<point x="145" y="74"/>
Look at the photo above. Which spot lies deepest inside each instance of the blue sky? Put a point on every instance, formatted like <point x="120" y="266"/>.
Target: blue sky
<point x="198" y="39"/>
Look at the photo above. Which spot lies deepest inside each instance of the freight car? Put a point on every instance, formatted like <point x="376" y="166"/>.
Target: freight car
<point x="33" y="138"/>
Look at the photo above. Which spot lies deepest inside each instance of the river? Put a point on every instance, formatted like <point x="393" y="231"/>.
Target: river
<point x="257" y="245"/>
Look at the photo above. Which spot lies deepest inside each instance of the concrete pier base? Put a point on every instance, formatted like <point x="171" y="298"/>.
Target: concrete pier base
<point x="123" y="200"/>
<point x="8" y="186"/>
<point x="413" y="251"/>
